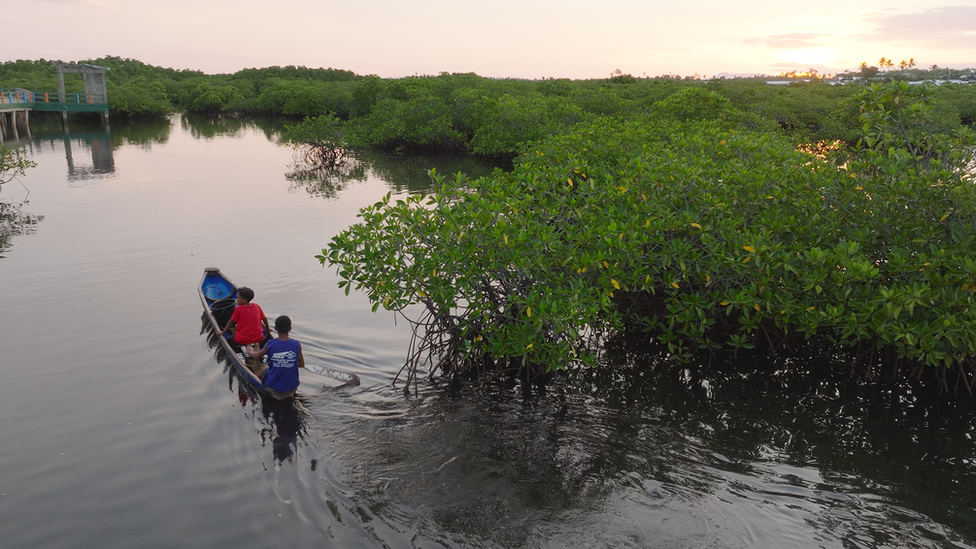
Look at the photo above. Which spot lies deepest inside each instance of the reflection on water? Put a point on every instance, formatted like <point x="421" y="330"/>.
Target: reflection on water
<point x="88" y="147"/>
<point x="203" y="126"/>
<point x="143" y="134"/>
<point x="403" y="173"/>
<point x="286" y="426"/>
<point x="103" y="161"/>
<point x="732" y="455"/>
<point x="120" y="445"/>
<point x="326" y="182"/>
<point x="284" y="421"/>
<point x="410" y="173"/>
<point x="14" y="221"/>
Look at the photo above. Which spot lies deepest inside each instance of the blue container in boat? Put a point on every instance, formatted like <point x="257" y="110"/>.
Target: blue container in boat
<point x="216" y="287"/>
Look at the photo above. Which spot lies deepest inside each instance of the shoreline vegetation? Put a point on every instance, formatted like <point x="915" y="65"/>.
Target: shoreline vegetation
<point x="464" y="112"/>
<point x="701" y="218"/>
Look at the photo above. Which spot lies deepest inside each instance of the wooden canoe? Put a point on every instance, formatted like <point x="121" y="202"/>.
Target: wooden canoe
<point x="218" y="295"/>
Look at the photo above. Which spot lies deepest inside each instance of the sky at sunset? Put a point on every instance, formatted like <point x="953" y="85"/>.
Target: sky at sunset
<point x="501" y="38"/>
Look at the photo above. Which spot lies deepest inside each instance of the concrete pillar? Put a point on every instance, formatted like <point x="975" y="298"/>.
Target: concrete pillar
<point x="60" y="69"/>
<point x="27" y="132"/>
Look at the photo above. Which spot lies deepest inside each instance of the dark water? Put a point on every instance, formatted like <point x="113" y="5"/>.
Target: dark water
<point x="120" y="427"/>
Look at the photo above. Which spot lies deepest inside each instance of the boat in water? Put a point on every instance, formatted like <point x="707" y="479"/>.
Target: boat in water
<point x="219" y="297"/>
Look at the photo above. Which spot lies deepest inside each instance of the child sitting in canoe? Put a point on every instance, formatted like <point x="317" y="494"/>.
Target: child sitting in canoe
<point x="284" y="359"/>
<point x="246" y="322"/>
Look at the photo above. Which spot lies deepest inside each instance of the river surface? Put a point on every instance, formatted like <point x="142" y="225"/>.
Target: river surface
<point x="121" y="428"/>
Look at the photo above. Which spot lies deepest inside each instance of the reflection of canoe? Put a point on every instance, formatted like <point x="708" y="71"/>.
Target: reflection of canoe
<point x="218" y="295"/>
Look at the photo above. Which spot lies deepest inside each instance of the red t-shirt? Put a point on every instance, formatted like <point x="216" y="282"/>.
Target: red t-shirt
<point x="250" y="328"/>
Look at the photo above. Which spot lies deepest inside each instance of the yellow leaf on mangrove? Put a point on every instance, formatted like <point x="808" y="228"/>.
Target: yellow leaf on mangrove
<point x="615" y="283"/>
<point x="675" y="284"/>
<point x="748" y="248"/>
<point x="696" y="225"/>
<point x="756" y="307"/>
<point x="528" y="311"/>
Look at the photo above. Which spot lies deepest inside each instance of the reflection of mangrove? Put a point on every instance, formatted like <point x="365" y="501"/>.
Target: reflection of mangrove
<point x="14" y="221"/>
<point x="142" y="133"/>
<point x="802" y="438"/>
<point x="404" y="173"/>
<point x="900" y="439"/>
<point x="410" y="173"/>
<point x="325" y="181"/>
<point x="203" y="126"/>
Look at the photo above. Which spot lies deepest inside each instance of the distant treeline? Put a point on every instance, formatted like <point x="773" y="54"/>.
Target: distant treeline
<point x="465" y="111"/>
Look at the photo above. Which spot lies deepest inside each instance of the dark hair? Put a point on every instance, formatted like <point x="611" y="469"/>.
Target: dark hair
<point x="283" y="324"/>
<point x="246" y="293"/>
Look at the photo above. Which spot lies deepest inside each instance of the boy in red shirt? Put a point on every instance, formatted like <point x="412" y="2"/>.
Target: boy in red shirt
<point x="247" y="318"/>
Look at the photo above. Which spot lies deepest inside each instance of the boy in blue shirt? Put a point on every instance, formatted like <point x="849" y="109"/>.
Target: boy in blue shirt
<point x="284" y="359"/>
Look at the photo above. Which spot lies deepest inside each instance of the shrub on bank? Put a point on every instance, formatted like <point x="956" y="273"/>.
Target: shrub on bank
<point x="700" y="234"/>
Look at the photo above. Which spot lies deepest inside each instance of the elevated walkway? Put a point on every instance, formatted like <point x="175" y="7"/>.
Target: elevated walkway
<point x="16" y="103"/>
<point x="15" y="106"/>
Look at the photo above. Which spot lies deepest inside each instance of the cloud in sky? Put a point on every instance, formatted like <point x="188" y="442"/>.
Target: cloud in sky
<point x="98" y="4"/>
<point x="791" y="41"/>
<point x="500" y="38"/>
<point x="943" y="27"/>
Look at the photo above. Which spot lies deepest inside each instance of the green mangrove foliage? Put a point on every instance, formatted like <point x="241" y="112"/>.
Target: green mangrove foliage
<point x="700" y="234"/>
<point x="12" y="163"/>
<point x="466" y="112"/>
<point x="14" y="221"/>
<point x="318" y="142"/>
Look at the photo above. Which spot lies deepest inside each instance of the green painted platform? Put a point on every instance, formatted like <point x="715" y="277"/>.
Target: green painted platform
<point x="18" y="99"/>
<point x="69" y="107"/>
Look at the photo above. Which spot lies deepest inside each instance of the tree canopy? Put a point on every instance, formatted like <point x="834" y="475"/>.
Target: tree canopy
<point x="701" y="232"/>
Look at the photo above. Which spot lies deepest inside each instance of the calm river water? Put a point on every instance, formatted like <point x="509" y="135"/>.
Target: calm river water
<point x="121" y="429"/>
